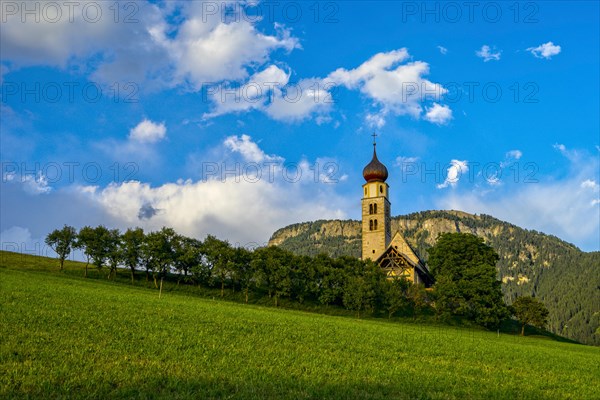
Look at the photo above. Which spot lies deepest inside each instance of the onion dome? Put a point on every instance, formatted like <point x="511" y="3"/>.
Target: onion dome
<point x="375" y="170"/>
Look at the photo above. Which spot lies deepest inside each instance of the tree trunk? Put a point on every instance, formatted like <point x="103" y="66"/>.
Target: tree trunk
<point x="154" y="277"/>
<point x="523" y="330"/>
<point x="246" y="295"/>
<point x="86" y="268"/>
<point x="132" y="276"/>
<point x="222" y="287"/>
<point x="276" y="301"/>
<point x="161" y="284"/>
<point x="62" y="263"/>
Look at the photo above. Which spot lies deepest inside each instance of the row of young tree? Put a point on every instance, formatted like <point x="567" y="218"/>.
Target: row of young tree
<point x="462" y="265"/>
<point x="346" y="281"/>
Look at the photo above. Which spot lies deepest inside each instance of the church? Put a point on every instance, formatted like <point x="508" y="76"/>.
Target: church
<point x="392" y="253"/>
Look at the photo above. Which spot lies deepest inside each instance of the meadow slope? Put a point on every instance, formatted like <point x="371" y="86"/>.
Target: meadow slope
<point x="77" y="338"/>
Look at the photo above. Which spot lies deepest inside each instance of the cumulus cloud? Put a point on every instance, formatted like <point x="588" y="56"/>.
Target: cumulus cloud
<point x="171" y="43"/>
<point x="546" y="50"/>
<point x="488" y="53"/>
<point x="397" y="87"/>
<point x="248" y="149"/>
<point x="453" y="174"/>
<point x="148" y="132"/>
<point x="438" y="114"/>
<point x="202" y="55"/>
<point x="271" y="92"/>
<point x="243" y="207"/>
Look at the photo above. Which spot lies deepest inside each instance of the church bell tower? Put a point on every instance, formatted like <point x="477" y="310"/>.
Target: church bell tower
<point x="376" y="231"/>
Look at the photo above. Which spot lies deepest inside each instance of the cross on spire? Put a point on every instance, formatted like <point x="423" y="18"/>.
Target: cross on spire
<point x="374" y="136"/>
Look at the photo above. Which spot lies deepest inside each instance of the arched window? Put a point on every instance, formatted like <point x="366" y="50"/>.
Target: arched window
<point x="380" y="188"/>
<point x="370" y="208"/>
<point x="365" y="191"/>
<point x="375" y="225"/>
<point x="374" y="208"/>
<point x="370" y="224"/>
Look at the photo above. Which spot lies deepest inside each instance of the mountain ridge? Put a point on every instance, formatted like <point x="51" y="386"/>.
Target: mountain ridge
<point x="566" y="278"/>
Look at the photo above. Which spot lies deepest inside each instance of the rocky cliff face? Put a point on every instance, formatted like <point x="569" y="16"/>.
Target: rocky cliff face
<point x="531" y="263"/>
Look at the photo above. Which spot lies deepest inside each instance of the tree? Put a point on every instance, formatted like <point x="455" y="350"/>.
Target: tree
<point x="98" y="246"/>
<point x="62" y="242"/>
<point x="187" y="255"/>
<point x="243" y="272"/>
<point x="219" y="256"/>
<point x="273" y="266"/>
<point x="85" y="238"/>
<point x="358" y="294"/>
<point x="131" y="249"/>
<point x="395" y="295"/>
<point x="158" y="247"/>
<point x="465" y="271"/>
<point x="112" y="246"/>
<point x="418" y="297"/>
<point x="530" y="310"/>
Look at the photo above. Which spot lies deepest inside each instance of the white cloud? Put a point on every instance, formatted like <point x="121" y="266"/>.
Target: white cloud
<point x="487" y="53"/>
<point x="395" y="87"/>
<point x="590" y="184"/>
<point x="546" y="50"/>
<point x="224" y="52"/>
<point x="248" y="149"/>
<point x="438" y="114"/>
<point x="32" y="183"/>
<point x="171" y="43"/>
<point x="299" y="101"/>
<point x="454" y="173"/>
<point x="376" y="120"/>
<point x="442" y="50"/>
<point x="271" y="92"/>
<point x="148" y="132"/>
<point x="514" y="154"/>
<point x="231" y="205"/>
<point x="236" y="206"/>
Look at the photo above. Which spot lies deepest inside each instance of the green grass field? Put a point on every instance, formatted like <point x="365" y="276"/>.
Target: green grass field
<point x="63" y="336"/>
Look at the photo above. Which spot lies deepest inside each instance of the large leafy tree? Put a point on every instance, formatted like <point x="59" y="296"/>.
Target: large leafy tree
<point x="98" y="247"/>
<point x="465" y="271"/>
<point x="187" y="256"/>
<point x="273" y="266"/>
<point x="331" y="278"/>
<point x="395" y="295"/>
<point x="530" y="310"/>
<point x="85" y="238"/>
<point x="62" y="242"/>
<point x="219" y="256"/>
<point x="158" y="247"/>
<point x="131" y="249"/>
<point x="243" y="273"/>
<point x="359" y="294"/>
<point x="114" y="255"/>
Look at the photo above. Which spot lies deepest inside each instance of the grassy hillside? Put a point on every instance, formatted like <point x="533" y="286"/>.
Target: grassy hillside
<point x="531" y="263"/>
<point x="65" y="336"/>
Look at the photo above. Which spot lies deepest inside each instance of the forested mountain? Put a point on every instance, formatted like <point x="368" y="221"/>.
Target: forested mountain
<point x="566" y="279"/>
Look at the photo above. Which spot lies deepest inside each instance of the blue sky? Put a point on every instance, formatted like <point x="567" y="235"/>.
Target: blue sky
<point x="209" y="119"/>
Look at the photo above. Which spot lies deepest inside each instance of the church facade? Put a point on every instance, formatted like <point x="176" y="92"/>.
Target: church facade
<point x="393" y="254"/>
